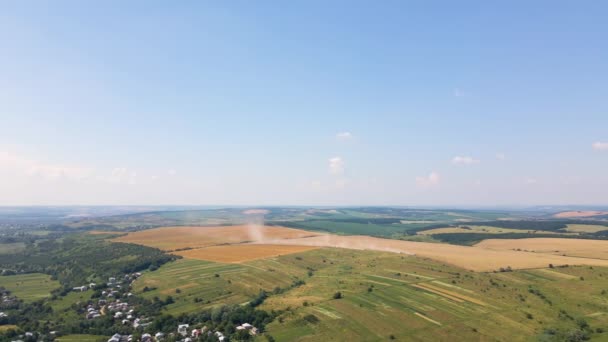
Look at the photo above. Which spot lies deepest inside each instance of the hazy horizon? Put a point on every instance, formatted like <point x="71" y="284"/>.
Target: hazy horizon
<point x="466" y="104"/>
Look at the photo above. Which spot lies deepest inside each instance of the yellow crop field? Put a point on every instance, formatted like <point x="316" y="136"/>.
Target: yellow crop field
<point x="585" y="228"/>
<point x="483" y="229"/>
<point x="174" y="238"/>
<point x="477" y="258"/>
<point x="241" y="253"/>
<point x="596" y="249"/>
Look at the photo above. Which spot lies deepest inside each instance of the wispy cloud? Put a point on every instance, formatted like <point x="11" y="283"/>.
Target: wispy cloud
<point x="530" y="180"/>
<point x="600" y="146"/>
<point x="344" y="136"/>
<point x="44" y="170"/>
<point x="122" y="175"/>
<point x="501" y="156"/>
<point x="458" y="160"/>
<point x="457" y="92"/>
<point x="336" y="166"/>
<point x="433" y="179"/>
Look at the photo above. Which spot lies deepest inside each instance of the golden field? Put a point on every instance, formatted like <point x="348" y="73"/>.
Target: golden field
<point x="570" y="214"/>
<point x="175" y="238"/>
<point x="485" y="229"/>
<point x="247" y="242"/>
<point x="476" y="258"/>
<point x="595" y="249"/>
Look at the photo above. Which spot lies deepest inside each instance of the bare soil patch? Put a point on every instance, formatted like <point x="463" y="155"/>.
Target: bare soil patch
<point x="589" y="213"/>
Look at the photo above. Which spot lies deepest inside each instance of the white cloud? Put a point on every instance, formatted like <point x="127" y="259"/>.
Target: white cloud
<point x="44" y="170"/>
<point x="171" y="172"/>
<point x="600" y="146"/>
<point x="122" y="175"/>
<point x="344" y="136"/>
<point x="336" y="166"/>
<point x="431" y="180"/>
<point x="464" y="160"/>
<point x="530" y="180"/>
<point x="457" y="92"/>
<point x="500" y="156"/>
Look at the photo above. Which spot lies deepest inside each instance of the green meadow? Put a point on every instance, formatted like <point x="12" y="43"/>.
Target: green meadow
<point x="386" y="296"/>
<point x="29" y="287"/>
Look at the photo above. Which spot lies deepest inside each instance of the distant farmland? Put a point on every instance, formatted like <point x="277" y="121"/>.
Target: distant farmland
<point x="175" y="238"/>
<point x="472" y="258"/>
<point x="596" y="249"/>
<point x="187" y="240"/>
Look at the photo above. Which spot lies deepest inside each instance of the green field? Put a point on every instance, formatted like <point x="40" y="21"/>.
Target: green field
<point x="10" y="248"/>
<point x="81" y="338"/>
<point x="29" y="287"/>
<point x="200" y="288"/>
<point x="390" y="294"/>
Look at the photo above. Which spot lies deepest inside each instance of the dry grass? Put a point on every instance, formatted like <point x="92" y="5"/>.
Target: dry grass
<point x="585" y="228"/>
<point x="484" y="229"/>
<point x="173" y="238"/>
<point x="241" y="253"/>
<point x="568" y="214"/>
<point x="596" y="249"/>
<point x="472" y="258"/>
<point x="104" y="232"/>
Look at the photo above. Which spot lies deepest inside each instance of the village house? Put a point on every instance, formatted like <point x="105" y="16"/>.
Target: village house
<point x="182" y="329"/>
<point x="80" y="288"/>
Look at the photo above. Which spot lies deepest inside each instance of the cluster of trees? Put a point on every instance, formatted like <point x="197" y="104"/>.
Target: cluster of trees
<point x="222" y="318"/>
<point x="75" y="261"/>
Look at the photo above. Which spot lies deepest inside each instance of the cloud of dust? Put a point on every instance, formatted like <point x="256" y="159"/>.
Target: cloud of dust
<point x="255" y="224"/>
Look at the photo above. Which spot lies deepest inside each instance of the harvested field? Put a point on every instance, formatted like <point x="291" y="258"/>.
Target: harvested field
<point x="472" y="258"/>
<point x="570" y="214"/>
<point x="104" y="232"/>
<point x="241" y="253"/>
<point x="174" y="238"/>
<point x="484" y="229"/>
<point x="596" y="249"/>
<point x="585" y="228"/>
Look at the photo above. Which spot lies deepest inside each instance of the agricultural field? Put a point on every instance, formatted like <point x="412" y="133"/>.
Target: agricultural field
<point x="577" y="214"/>
<point x="176" y="238"/>
<point x="198" y="285"/>
<point x="29" y="287"/>
<point x="387" y="294"/>
<point x="581" y="248"/>
<point x="240" y="253"/>
<point x="585" y="228"/>
<point x="484" y="229"/>
<point x="10" y="248"/>
<point x="187" y="240"/>
<point x="478" y="258"/>
<point x="81" y="338"/>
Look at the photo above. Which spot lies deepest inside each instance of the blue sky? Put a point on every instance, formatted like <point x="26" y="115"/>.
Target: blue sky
<point x="303" y="102"/>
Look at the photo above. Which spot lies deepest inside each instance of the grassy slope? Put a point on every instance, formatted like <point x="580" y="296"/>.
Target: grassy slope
<point x="29" y="287"/>
<point x="410" y="297"/>
<point x="8" y="248"/>
<point x="82" y="338"/>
